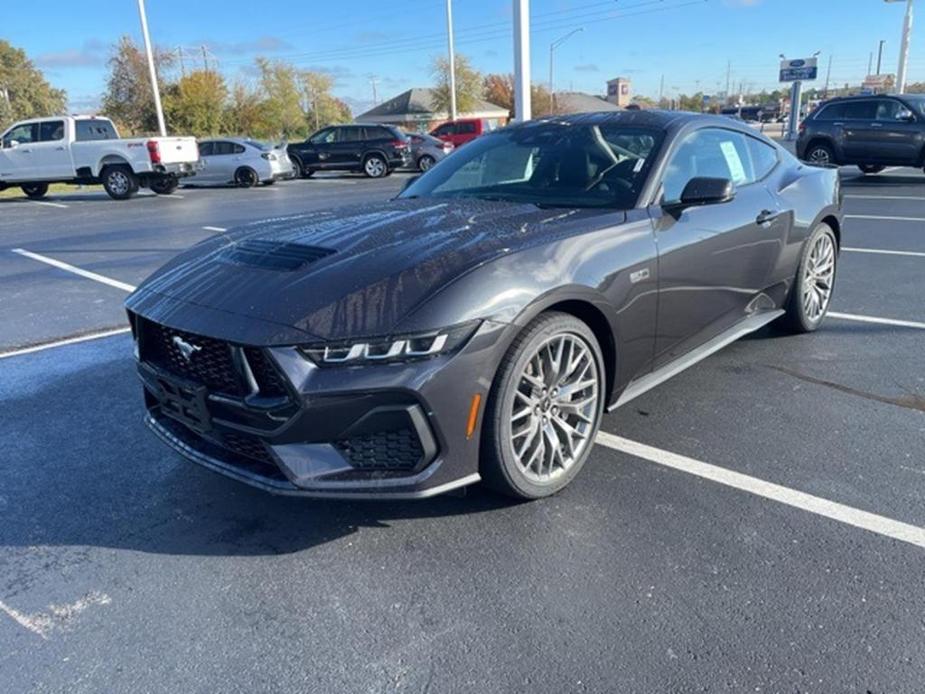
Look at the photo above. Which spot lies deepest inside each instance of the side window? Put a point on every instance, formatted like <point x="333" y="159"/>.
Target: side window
<point x="444" y="130"/>
<point x="325" y="137"/>
<point x="710" y="153"/>
<point x="466" y="128"/>
<point x="861" y="110"/>
<point x="23" y="134"/>
<point x="888" y="109"/>
<point x="349" y="134"/>
<point x="223" y="148"/>
<point x="764" y="157"/>
<point x="832" y="112"/>
<point x="238" y="149"/>
<point x="206" y="149"/>
<point x="51" y="131"/>
<point x="88" y="130"/>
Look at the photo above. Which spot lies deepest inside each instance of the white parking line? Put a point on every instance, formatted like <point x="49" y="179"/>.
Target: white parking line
<point x="215" y="228"/>
<point x="66" y="341"/>
<point x="76" y="270"/>
<point x="50" y="204"/>
<point x="889" y="219"/>
<point x="791" y="497"/>
<point x="878" y="321"/>
<point x="878" y="251"/>
<point x="886" y="197"/>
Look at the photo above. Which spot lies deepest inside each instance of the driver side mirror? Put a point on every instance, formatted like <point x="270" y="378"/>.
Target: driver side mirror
<point x="11" y="144"/>
<point x="704" y="190"/>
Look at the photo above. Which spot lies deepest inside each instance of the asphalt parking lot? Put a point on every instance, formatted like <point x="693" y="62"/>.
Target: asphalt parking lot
<point x="755" y="524"/>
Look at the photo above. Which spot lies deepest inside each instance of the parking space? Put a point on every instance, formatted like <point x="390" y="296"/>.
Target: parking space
<point x="763" y="528"/>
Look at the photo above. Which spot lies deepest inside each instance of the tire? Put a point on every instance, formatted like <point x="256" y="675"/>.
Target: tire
<point x="524" y="448"/>
<point x="820" y="153"/>
<point x="300" y="169"/>
<point x="375" y="166"/>
<point x="35" y="191"/>
<point x="164" y="185"/>
<point x="801" y="317"/>
<point x="870" y="168"/>
<point x="425" y="162"/>
<point x="120" y="181"/>
<point x="246" y="177"/>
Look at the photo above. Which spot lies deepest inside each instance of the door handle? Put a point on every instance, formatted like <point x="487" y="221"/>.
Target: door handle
<point x="59" y="149"/>
<point x="876" y="125"/>
<point x="839" y="123"/>
<point x="26" y="151"/>
<point x="766" y="216"/>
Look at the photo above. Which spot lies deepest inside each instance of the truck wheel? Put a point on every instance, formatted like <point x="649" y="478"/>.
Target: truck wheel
<point x="120" y="182"/>
<point x="35" y="190"/>
<point x="165" y="185"/>
<point x="246" y="177"/>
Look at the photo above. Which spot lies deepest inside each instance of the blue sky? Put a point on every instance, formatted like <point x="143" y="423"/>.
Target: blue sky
<point x="687" y="41"/>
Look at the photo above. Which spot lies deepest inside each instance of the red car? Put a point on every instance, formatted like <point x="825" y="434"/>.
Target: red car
<point x="463" y="130"/>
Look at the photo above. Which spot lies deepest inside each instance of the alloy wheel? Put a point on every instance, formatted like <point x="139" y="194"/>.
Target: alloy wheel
<point x="374" y="167"/>
<point x="119" y="182"/>
<point x="820" y="155"/>
<point x="555" y="406"/>
<point x="818" y="278"/>
<point x="425" y="162"/>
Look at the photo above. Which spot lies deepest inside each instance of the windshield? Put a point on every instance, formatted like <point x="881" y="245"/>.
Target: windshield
<point x="553" y="164"/>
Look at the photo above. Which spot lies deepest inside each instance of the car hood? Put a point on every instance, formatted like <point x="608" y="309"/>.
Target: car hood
<point x="345" y="272"/>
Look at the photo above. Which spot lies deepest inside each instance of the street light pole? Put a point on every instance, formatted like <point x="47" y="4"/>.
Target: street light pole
<point x="880" y="55"/>
<point x="157" y="95"/>
<point x="449" y="35"/>
<point x="522" y="110"/>
<point x="904" y="49"/>
<point x="552" y="49"/>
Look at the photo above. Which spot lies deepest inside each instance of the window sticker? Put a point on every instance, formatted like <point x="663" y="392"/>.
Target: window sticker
<point x="639" y="164"/>
<point x="736" y="170"/>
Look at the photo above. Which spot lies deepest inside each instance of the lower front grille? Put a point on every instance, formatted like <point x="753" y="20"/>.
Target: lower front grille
<point x="399" y="449"/>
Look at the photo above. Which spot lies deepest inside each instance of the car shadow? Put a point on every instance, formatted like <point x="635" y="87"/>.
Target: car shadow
<point x="81" y="470"/>
<point x="869" y="180"/>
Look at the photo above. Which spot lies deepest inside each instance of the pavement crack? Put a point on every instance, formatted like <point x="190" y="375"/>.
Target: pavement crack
<point x="911" y="401"/>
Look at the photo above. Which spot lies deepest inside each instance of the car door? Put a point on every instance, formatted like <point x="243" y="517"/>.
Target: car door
<point x="895" y="136"/>
<point x="223" y="160"/>
<point x="858" y="144"/>
<point x="714" y="260"/>
<point x="52" y="153"/>
<point x="347" y="149"/>
<point x="18" y="161"/>
<point x="207" y="158"/>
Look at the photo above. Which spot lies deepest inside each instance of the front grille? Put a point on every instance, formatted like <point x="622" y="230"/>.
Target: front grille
<point x="268" y="379"/>
<point x="211" y="364"/>
<point x="399" y="449"/>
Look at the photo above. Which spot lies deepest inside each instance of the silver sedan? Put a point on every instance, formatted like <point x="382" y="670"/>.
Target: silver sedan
<point x="427" y="150"/>
<point x="242" y="162"/>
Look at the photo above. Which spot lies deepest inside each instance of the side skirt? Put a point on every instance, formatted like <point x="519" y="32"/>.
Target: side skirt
<point x="649" y="381"/>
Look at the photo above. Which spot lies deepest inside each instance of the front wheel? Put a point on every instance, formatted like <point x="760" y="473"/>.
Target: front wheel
<point x="544" y="409"/>
<point x="120" y="182"/>
<point x="870" y="168"/>
<point x="820" y="154"/>
<point x="246" y="177"/>
<point x="35" y="191"/>
<point x="165" y="185"/>
<point x="375" y="166"/>
<point x="425" y="162"/>
<point x="815" y="281"/>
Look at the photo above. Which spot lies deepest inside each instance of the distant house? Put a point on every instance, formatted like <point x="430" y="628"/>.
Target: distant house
<point x="415" y="110"/>
<point x="579" y="102"/>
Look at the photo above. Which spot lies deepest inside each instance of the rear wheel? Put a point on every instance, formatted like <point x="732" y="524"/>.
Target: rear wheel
<point x="120" y="181"/>
<point x="425" y="162"/>
<point x="375" y="166"/>
<point x="35" y="191"/>
<point x="870" y="168"/>
<point x="246" y="177"/>
<point x="545" y="408"/>
<point x="815" y="281"/>
<point x="299" y="166"/>
<point x="820" y="154"/>
<point x="165" y="185"/>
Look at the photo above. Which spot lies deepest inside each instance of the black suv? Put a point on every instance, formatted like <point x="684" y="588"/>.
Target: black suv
<point x="872" y="132"/>
<point x="373" y="149"/>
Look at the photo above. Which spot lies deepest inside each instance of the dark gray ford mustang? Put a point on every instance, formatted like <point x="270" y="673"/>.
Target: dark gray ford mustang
<point x="476" y="327"/>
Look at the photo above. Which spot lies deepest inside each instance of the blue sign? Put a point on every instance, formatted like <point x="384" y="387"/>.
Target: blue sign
<point x="798" y="70"/>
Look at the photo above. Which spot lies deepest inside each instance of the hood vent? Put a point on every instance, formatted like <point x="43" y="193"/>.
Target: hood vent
<point x="274" y="255"/>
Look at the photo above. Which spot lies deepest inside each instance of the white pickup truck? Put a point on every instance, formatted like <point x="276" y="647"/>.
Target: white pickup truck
<point x="88" y="150"/>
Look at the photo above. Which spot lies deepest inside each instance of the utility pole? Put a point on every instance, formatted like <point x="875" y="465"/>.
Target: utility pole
<point x="880" y="55"/>
<point x="661" y="90"/>
<point x="449" y="35"/>
<point x="828" y="74"/>
<point x="728" y="78"/>
<point x="162" y="127"/>
<point x="180" y="59"/>
<point x="522" y="110"/>
<point x="374" y="81"/>
<point x="205" y="58"/>
<point x="870" y="63"/>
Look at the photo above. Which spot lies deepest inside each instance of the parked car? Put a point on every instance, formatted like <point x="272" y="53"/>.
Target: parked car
<point x="427" y="150"/>
<point x="87" y="150"/>
<point x="459" y="132"/>
<point x="243" y="162"/>
<point x="376" y="150"/>
<point x="477" y="326"/>
<point x="871" y="132"/>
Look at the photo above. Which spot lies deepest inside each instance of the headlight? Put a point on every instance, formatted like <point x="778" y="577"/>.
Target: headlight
<point x="391" y="349"/>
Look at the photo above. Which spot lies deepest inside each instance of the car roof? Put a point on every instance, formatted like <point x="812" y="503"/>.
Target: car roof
<point x="654" y="118"/>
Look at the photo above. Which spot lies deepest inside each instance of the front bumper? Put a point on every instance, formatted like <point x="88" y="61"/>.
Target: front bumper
<point x="379" y="431"/>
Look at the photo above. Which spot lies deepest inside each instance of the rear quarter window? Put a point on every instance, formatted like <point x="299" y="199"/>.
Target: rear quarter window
<point x="89" y="130"/>
<point x="830" y="112"/>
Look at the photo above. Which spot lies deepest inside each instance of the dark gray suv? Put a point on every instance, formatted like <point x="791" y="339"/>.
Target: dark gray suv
<point x="872" y="132"/>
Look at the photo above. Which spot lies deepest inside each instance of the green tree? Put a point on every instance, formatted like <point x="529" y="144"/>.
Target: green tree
<point x="244" y="113"/>
<point x="468" y="84"/>
<point x="196" y="106"/>
<point x="128" y="99"/>
<point x="24" y="91"/>
<point x="282" y="106"/>
<point x="318" y="104"/>
<point x="498" y="89"/>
